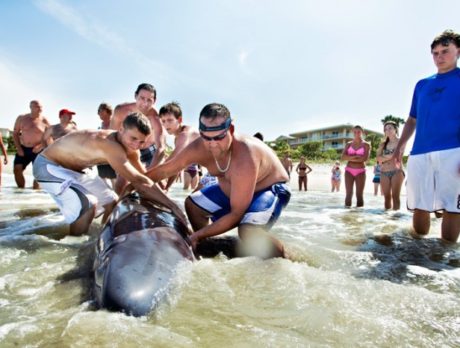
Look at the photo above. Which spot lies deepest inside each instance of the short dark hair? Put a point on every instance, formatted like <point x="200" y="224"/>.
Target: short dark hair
<point x="171" y="108"/>
<point x="138" y="121"/>
<point x="147" y="87"/>
<point x="214" y="110"/>
<point x="445" y="38"/>
<point x="259" y="135"/>
<point x="105" y="106"/>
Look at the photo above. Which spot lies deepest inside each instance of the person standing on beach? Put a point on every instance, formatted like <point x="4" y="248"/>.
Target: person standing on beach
<point x="27" y="136"/>
<point x="105" y="171"/>
<point x="80" y="195"/>
<point x="251" y="190"/>
<point x="336" y="177"/>
<point x="392" y="175"/>
<point x="171" y="118"/>
<point x="65" y="126"/>
<point x="302" y="170"/>
<point x="5" y="158"/>
<point x="287" y="164"/>
<point x="356" y="152"/>
<point x="433" y="168"/>
<point x="152" y="151"/>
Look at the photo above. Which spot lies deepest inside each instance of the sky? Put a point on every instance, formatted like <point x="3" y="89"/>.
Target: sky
<point x="279" y="66"/>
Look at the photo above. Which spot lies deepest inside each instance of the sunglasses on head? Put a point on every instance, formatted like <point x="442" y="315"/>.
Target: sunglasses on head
<point x="216" y="137"/>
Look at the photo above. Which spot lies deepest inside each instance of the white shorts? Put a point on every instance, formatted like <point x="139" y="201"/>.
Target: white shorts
<point x="433" y="181"/>
<point x="73" y="192"/>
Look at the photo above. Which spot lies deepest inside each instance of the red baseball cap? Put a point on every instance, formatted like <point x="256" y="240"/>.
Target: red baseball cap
<point x="66" y="111"/>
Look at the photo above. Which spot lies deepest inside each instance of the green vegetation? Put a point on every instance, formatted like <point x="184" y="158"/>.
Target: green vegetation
<point x="9" y="143"/>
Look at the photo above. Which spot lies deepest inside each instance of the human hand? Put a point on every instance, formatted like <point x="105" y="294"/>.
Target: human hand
<point x="37" y="148"/>
<point x="5" y="161"/>
<point x="20" y="152"/>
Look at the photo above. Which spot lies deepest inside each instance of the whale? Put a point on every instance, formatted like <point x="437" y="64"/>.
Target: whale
<point x="137" y="255"/>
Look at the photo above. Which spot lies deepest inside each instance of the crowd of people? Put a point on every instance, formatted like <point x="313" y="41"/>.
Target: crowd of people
<point x="246" y="184"/>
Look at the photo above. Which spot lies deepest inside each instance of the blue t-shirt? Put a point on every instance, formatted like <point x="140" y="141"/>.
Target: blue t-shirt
<point x="436" y="107"/>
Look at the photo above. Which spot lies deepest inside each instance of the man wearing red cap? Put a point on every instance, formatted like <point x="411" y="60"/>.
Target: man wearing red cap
<point x="27" y="136"/>
<point x="65" y="126"/>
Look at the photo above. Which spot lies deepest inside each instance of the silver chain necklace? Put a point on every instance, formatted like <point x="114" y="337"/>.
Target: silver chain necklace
<point x="228" y="164"/>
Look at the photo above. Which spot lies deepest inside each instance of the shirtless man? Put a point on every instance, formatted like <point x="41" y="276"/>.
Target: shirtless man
<point x="27" y="136"/>
<point x="171" y="118"/>
<point x="251" y="189"/>
<point x="82" y="196"/>
<point x="152" y="152"/>
<point x="287" y="164"/>
<point x="65" y="126"/>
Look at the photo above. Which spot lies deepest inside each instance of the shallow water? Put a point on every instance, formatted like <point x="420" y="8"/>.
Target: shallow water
<point x="357" y="278"/>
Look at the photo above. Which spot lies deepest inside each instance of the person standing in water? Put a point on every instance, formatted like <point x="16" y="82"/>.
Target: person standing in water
<point x="302" y="170"/>
<point x="336" y="177"/>
<point x="27" y="136"/>
<point x="356" y="152"/>
<point x="171" y="119"/>
<point x="392" y="175"/>
<point x="433" y="168"/>
<point x="65" y="126"/>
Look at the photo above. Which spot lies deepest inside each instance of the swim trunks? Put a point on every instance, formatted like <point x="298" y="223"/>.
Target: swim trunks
<point x="106" y="171"/>
<point x="29" y="156"/>
<point x="147" y="155"/>
<point x="73" y="192"/>
<point x="264" y="210"/>
<point x="433" y="181"/>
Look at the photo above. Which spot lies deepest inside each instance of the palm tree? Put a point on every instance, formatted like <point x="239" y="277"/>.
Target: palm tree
<point x="394" y="119"/>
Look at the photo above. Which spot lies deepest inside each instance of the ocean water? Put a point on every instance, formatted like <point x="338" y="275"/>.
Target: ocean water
<point x="356" y="279"/>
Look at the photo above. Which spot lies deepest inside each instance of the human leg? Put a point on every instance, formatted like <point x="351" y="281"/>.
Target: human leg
<point x="421" y="221"/>
<point x="396" y="184"/>
<point x="81" y="225"/>
<point x="360" y="182"/>
<point x="349" y="181"/>
<point x="187" y="180"/>
<point x="198" y="217"/>
<point x="386" y="190"/>
<point x="18" y="171"/>
<point x="450" y="227"/>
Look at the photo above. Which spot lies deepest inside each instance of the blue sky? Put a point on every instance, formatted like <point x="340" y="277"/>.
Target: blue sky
<point x="279" y="66"/>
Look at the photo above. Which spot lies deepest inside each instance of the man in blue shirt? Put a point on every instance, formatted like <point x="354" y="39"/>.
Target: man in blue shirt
<point x="433" y="169"/>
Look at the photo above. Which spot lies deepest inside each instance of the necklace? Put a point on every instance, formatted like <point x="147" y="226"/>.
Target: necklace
<point x="228" y="163"/>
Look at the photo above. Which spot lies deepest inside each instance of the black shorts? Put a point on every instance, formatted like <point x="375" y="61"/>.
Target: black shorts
<point x="29" y="156"/>
<point x="106" y="171"/>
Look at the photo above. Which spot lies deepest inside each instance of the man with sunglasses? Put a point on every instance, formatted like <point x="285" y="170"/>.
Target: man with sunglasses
<point x="251" y="190"/>
<point x="433" y="169"/>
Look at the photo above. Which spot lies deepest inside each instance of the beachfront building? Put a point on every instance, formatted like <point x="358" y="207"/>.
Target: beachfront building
<point x="334" y="137"/>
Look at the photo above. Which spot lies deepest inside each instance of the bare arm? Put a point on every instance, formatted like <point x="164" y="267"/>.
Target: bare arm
<point x="408" y="131"/>
<point x="5" y="155"/>
<point x="16" y="137"/>
<point x="46" y="138"/>
<point x="308" y="169"/>
<point x="117" y="118"/>
<point x="141" y="183"/>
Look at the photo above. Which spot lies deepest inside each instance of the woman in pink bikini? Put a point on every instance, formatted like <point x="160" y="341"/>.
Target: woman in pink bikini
<point x="356" y="152"/>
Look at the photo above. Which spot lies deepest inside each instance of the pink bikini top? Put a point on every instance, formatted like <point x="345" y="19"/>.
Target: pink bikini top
<point x="358" y="152"/>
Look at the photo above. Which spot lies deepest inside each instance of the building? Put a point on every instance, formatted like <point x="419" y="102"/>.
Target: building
<point x="334" y="137"/>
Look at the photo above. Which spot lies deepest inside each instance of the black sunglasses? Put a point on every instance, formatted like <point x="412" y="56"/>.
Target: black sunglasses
<point x="216" y="137"/>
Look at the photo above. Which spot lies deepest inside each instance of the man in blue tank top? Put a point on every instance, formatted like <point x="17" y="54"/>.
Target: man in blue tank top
<point x="433" y="169"/>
